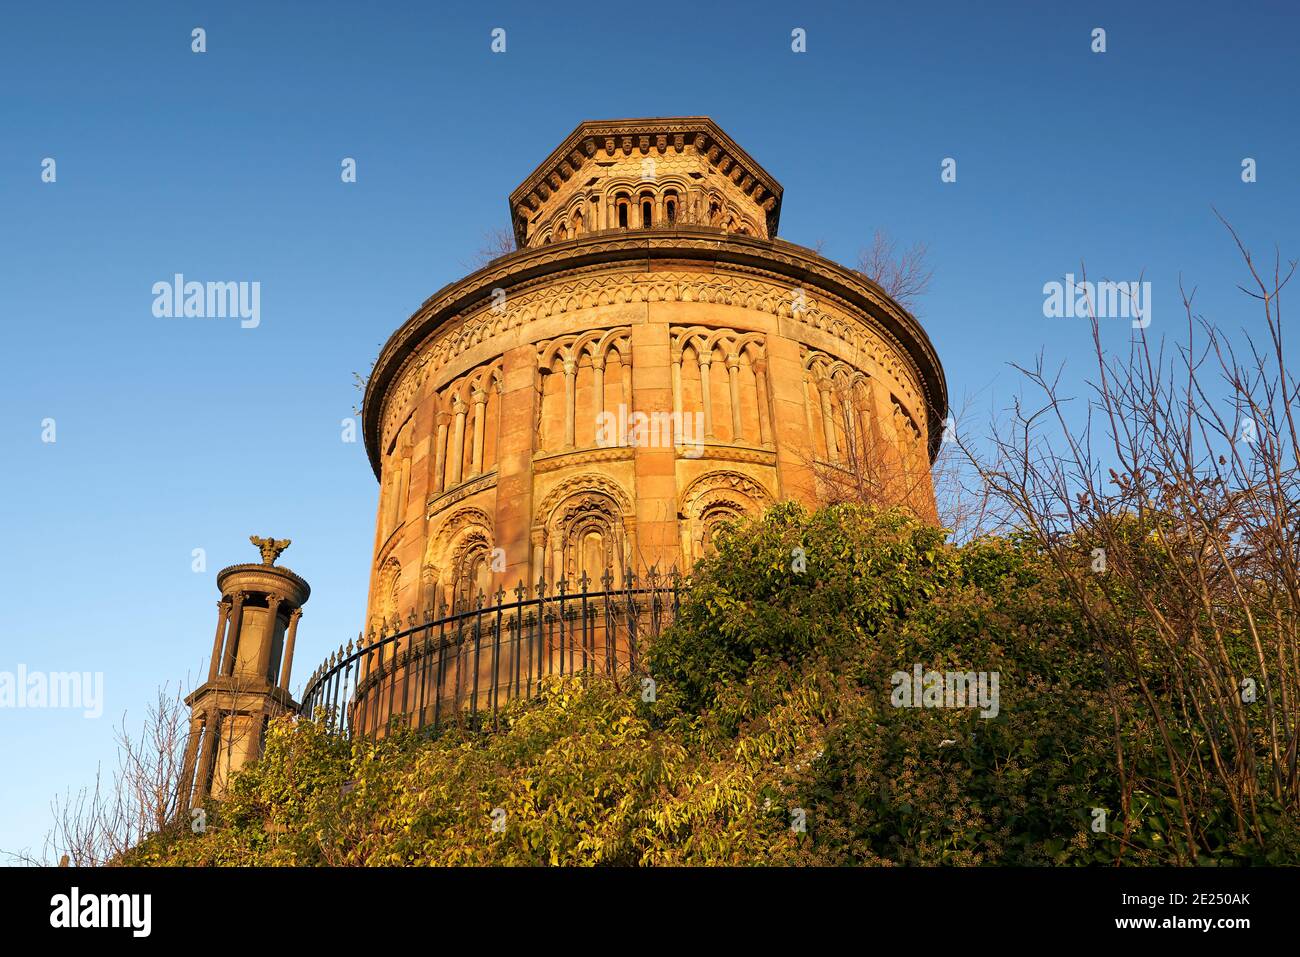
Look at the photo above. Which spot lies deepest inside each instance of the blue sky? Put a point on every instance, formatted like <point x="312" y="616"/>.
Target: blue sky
<point x="181" y="434"/>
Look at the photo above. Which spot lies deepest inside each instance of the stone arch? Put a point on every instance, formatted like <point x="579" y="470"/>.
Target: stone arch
<point x="450" y="557"/>
<point x="585" y="525"/>
<point x="720" y="375"/>
<point x="619" y="199"/>
<point x="387" y="604"/>
<point x="672" y="198"/>
<point x="712" y="499"/>
<point x="466" y="415"/>
<point x="470" y="571"/>
<point x="574" y="388"/>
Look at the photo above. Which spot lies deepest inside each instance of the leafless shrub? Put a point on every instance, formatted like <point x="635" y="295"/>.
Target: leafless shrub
<point x="100" y="822"/>
<point x="1169" y="507"/>
<point x="904" y="274"/>
<point x="495" y="244"/>
<point x="873" y="468"/>
<point x="148" y="791"/>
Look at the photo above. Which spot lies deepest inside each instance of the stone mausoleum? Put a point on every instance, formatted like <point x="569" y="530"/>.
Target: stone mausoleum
<point x="650" y="362"/>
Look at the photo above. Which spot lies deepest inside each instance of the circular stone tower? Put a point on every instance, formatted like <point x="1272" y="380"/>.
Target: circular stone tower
<point x="650" y="362"/>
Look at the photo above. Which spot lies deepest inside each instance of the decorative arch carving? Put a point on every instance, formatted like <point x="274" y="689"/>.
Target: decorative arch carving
<point x="574" y="366"/>
<point x="467" y="420"/>
<point x="453" y="557"/>
<point x="726" y="382"/>
<point x="714" y="498"/>
<point x="387" y="596"/>
<point x="585" y="527"/>
<point x="592" y="481"/>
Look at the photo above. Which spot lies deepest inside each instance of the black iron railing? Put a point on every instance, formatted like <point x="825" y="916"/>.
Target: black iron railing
<point x="461" y="664"/>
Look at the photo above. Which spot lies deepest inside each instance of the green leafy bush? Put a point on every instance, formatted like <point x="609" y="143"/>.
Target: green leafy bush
<point x="773" y="739"/>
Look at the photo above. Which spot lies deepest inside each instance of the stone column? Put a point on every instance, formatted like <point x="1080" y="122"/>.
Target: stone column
<point x="862" y="413"/>
<point x="388" y="496"/>
<point x="457" y="451"/>
<point x="480" y="408"/>
<point x="223" y="612"/>
<point x="828" y="421"/>
<point x="764" y="412"/>
<point x="232" y="633"/>
<point x="598" y="368"/>
<point x="570" y="400"/>
<point x="807" y="407"/>
<point x="440" y="454"/>
<point x="207" y="753"/>
<point x="706" y="398"/>
<point x="677" y="387"/>
<point x="264" y="653"/>
<point x="403" y="488"/>
<point x="539" y="555"/>
<point x="733" y="380"/>
<point x="187" y="766"/>
<point x="287" y="662"/>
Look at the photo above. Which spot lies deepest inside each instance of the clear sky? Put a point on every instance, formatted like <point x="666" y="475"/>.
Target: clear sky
<point x="177" y="434"/>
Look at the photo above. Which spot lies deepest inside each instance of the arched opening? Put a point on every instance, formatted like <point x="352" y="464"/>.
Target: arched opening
<point x="670" y="207"/>
<point x="713" y="522"/>
<point x="473" y="576"/>
<point x="586" y="535"/>
<point x="623" y="208"/>
<point x="647" y="212"/>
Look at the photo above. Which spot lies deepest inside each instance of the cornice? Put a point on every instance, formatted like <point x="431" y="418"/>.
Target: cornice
<point x="253" y="576"/>
<point x="544" y="461"/>
<point x="802" y="267"/>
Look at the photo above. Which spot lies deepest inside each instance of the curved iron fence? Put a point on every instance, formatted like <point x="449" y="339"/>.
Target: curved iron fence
<point x="462" y="664"/>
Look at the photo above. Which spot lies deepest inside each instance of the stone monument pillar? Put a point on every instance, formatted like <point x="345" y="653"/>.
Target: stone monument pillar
<point x="248" y="677"/>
